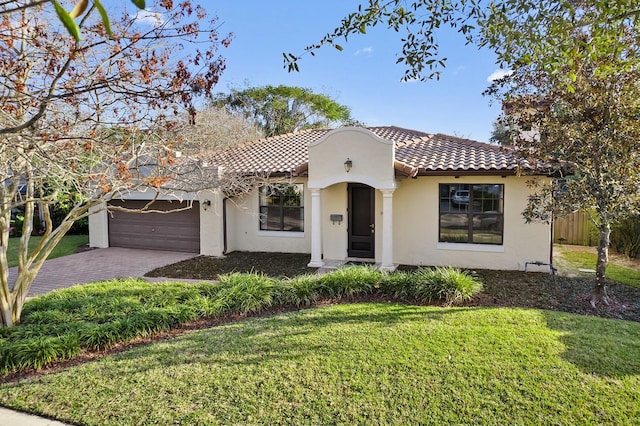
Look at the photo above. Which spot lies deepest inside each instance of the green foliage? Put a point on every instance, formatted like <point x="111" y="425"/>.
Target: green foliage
<point x="17" y="222"/>
<point x="69" y="23"/>
<point x="360" y="364"/>
<point x="59" y="325"/>
<point x="575" y="85"/>
<point x="245" y="293"/>
<point x="441" y="283"/>
<point x="625" y="237"/>
<point x="68" y="245"/>
<point x="351" y="281"/>
<point x="283" y="109"/>
<point x="298" y="291"/>
<point x="417" y="22"/>
<point x="67" y="20"/>
<point x="501" y="134"/>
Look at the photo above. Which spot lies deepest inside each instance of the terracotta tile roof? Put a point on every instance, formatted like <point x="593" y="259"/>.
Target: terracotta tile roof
<point x="416" y="151"/>
<point x="448" y="153"/>
<point x="277" y="154"/>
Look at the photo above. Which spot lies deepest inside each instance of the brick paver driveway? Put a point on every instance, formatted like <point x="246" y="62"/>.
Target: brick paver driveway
<point x="97" y="265"/>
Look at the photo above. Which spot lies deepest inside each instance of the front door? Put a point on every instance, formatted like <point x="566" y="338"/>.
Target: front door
<point x="361" y="221"/>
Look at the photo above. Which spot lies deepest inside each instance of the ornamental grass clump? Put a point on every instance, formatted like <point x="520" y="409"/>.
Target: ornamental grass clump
<point x="350" y="281"/>
<point x="299" y="291"/>
<point x="245" y="293"/>
<point x="444" y="283"/>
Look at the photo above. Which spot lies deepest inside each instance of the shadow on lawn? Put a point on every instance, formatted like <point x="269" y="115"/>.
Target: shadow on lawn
<point x="594" y="348"/>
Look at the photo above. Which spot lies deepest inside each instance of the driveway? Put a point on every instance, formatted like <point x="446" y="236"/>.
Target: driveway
<point x="98" y="265"/>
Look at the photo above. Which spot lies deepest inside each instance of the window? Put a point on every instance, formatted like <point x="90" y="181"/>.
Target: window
<point x="471" y="213"/>
<point x="281" y="207"/>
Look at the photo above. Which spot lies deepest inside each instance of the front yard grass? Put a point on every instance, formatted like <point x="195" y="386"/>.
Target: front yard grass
<point x="67" y="246"/>
<point x="620" y="269"/>
<point x="367" y="363"/>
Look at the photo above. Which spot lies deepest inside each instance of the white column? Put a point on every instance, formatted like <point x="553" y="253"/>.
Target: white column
<point x="316" y="229"/>
<point x="387" y="230"/>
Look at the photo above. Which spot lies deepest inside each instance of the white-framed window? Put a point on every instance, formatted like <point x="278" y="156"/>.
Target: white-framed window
<point x="471" y="213"/>
<point x="282" y="207"/>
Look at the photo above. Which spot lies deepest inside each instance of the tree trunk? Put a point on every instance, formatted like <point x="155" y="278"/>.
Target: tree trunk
<point x="599" y="293"/>
<point x="6" y="317"/>
<point x="12" y="301"/>
<point x="10" y="312"/>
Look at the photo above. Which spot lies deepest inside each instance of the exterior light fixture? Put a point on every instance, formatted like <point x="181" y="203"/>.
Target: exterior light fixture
<point x="206" y="204"/>
<point x="347" y="165"/>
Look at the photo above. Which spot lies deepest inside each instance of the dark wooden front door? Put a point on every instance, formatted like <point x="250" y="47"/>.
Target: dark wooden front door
<point x="361" y="221"/>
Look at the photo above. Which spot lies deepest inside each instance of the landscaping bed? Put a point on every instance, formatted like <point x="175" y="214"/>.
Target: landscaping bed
<point x="368" y="363"/>
<point x="209" y="268"/>
<point x="558" y="293"/>
<point x="501" y="288"/>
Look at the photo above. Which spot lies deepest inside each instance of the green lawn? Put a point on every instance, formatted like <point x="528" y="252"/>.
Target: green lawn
<point x="361" y="364"/>
<point x="67" y="246"/>
<point x="582" y="259"/>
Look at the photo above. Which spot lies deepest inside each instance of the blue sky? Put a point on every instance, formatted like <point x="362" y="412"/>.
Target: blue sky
<point x="364" y="75"/>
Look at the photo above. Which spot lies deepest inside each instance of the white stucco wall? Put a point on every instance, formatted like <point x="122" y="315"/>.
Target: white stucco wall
<point x="211" y="223"/>
<point x="334" y="201"/>
<point x="416" y="211"/>
<point x="372" y="159"/>
<point x="99" y="227"/>
<point x="243" y="227"/>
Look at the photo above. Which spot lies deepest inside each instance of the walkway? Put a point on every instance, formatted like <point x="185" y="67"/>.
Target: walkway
<point x="99" y="265"/>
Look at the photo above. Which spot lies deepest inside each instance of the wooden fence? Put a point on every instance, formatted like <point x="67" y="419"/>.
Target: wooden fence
<point x="574" y="229"/>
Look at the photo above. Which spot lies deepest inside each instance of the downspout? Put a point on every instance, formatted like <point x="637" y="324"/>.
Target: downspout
<point x="551" y="245"/>
<point x="224" y="225"/>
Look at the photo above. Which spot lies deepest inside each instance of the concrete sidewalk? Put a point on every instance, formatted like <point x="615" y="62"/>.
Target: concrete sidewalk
<point x="15" y="418"/>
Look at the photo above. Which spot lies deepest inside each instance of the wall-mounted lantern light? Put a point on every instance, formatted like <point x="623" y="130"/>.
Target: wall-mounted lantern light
<point x="347" y="165"/>
<point x="206" y="204"/>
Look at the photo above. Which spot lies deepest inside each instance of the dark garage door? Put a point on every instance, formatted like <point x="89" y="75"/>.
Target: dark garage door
<point x="175" y="231"/>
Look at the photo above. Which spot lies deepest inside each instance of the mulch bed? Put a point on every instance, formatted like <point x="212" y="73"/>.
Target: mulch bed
<point x="501" y="288"/>
<point x="274" y="265"/>
<point x="566" y="294"/>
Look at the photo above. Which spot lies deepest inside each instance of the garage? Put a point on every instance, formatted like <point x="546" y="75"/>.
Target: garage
<point x="174" y="231"/>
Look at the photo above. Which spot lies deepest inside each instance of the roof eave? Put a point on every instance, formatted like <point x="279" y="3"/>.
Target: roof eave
<point x="465" y="172"/>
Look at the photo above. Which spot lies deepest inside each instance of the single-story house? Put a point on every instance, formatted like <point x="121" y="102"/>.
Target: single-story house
<point x="382" y="194"/>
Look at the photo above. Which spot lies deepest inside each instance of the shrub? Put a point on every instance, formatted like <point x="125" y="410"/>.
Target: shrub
<point x="448" y="284"/>
<point x="298" y="291"/>
<point x="625" y="237"/>
<point x="426" y="284"/>
<point x="349" y="281"/>
<point x="398" y="284"/>
<point x="245" y="293"/>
